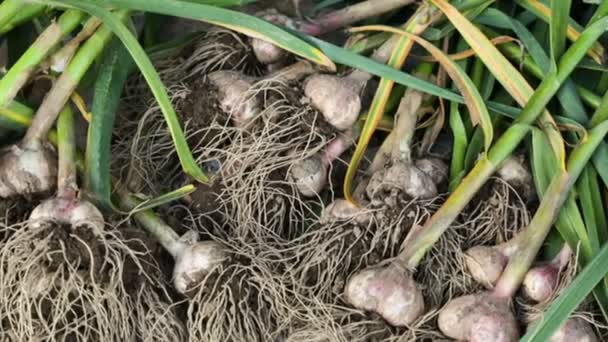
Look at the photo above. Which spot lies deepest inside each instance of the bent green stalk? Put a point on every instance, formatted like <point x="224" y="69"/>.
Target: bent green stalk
<point x="21" y="71"/>
<point x="69" y="79"/>
<point x="9" y="9"/>
<point x="153" y="224"/>
<point x="513" y="52"/>
<point x="26" y="14"/>
<point x="421" y="239"/>
<point x="531" y="239"/>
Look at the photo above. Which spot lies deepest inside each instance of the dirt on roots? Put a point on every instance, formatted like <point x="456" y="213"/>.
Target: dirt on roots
<point x="285" y="278"/>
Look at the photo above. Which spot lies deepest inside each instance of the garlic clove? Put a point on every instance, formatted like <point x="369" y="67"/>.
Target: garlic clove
<point x="232" y="88"/>
<point x="27" y="170"/>
<point x="337" y="99"/>
<point x="540" y="282"/>
<point x="73" y="212"/>
<point x="194" y="262"/>
<point x="309" y="175"/>
<point x="478" y="318"/>
<point x="266" y="52"/>
<point x="485" y="264"/>
<point x="343" y="210"/>
<point x="436" y="168"/>
<point x="575" y="329"/>
<point x="389" y="291"/>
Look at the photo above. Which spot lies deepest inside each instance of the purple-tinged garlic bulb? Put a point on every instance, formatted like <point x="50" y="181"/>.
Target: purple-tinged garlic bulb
<point x="575" y="329"/>
<point x="541" y="281"/>
<point x="479" y="317"/>
<point x="389" y="291"/>
<point x="266" y="52"/>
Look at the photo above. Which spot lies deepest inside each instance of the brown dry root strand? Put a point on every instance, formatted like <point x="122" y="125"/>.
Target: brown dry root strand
<point x="281" y="126"/>
<point x="13" y="211"/>
<point x="50" y="294"/>
<point x="496" y="216"/>
<point x="442" y="272"/>
<point x="326" y="256"/>
<point x="328" y="253"/>
<point x="252" y="188"/>
<point x="144" y="150"/>
<point x="155" y="318"/>
<point x="341" y="323"/>
<point x="217" y="49"/>
<point x="235" y="303"/>
<point x="221" y="49"/>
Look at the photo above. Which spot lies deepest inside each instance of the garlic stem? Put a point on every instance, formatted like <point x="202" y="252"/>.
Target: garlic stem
<point x="67" y="186"/>
<point x="163" y="233"/>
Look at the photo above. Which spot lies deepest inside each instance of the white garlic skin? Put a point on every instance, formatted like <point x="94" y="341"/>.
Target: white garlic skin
<point x="27" y="170"/>
<point x="343" y="210"/>
<point x="266" y="52"/>
<point x="436" y="168"/>
<point x="70" y="211"/>
<point x="337" y="98"/>
<point x="405" y="177"/>
<point x="232" y="88"/>
<point x="514" y="171"/>
<point x="485" y="264"/>
<point x="309" y="175"/>
<point x="194" y="262"/>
